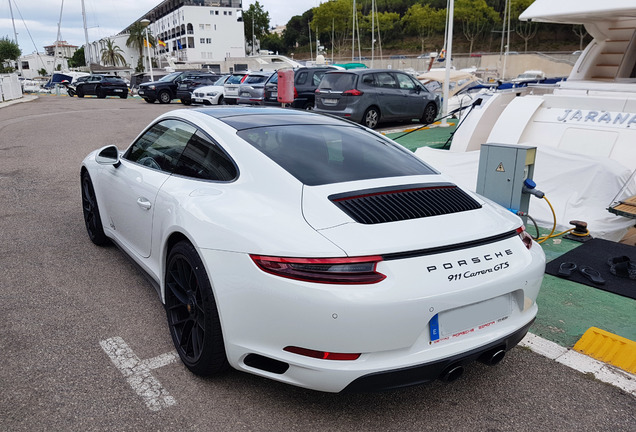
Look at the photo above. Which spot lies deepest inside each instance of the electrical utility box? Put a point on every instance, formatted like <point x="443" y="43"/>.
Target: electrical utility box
<point x="503" y="168"/>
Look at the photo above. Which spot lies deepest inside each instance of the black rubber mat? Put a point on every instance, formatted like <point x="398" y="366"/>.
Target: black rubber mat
<point x="594" y="254"/>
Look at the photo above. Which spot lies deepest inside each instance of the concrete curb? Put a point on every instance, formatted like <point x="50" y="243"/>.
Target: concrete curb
<point x="24" y="98"/>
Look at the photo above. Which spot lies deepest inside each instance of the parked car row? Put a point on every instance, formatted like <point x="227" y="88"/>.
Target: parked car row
<point x="366" y="96"/>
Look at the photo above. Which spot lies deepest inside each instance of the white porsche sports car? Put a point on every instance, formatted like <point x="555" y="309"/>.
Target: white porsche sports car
<point x="311" y="250"/>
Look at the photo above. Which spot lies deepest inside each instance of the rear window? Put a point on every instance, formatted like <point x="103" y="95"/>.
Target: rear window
<point x="320" y="154"/>
<point x="234" y="79"/>
<point x="338" y="81"/>
<point x="255" y="79"/>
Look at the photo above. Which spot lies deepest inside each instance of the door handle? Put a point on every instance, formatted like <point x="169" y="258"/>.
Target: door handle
<point x="144" y="203"/>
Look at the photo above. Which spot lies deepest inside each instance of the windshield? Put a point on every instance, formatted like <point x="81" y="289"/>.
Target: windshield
<point x="220" y="81"/>
<point x="319" y="154"/>
<point x="170" y="77"/>
<point x="234" y="79"/>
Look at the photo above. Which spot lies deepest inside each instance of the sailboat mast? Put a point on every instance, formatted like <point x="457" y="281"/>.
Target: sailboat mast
<point x="59" y="36"/>
<point x="87" y="56"/>
<point x="353" y="30"/>
<point x="372" y="31"/>
<point x="15" y="34"/>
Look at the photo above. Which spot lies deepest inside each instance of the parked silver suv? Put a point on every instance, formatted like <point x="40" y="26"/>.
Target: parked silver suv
<point x="371" y="96"/>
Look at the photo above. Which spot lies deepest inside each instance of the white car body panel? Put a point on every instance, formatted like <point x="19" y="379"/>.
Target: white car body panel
<point x="491" y="284"/>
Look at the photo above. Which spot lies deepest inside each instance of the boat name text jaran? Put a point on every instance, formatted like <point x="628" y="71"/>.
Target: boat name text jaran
<point x="598" y="117"/>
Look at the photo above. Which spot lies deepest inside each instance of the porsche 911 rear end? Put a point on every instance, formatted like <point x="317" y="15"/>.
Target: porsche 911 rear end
<point x="403" y="278"/>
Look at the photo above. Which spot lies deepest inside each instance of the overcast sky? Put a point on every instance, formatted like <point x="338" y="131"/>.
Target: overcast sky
<point x="104" y="18"/>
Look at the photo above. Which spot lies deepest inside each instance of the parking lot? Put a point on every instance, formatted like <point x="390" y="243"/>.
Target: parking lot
<point x="86" y="346"/>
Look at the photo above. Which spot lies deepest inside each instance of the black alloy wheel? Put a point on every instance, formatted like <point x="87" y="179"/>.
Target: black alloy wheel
<point x="371" y="118"/>
<point x="193" y="319"/>
<point x="80" y="93"/>
<point x="164" y="97"/>
<point x="430" y="113"/>
<point x="92" y="220"/>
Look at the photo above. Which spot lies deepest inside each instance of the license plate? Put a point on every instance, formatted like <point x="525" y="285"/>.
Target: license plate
<point x="456" y="322"/>
<point x="274" y="94"/>
<point x="245" y="94"/>
<point x="118" y="90"/>
<point x="198" y="100"/>
<point x="141" y="92"/>
<point x="330" y="101"/>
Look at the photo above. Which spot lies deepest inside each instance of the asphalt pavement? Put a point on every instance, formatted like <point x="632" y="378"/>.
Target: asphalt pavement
<point x="86" y="346"/>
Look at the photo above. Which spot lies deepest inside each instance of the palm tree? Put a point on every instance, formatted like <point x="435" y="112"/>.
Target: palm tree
<point x="112" y="54"/>
<point x="137" y="37"/>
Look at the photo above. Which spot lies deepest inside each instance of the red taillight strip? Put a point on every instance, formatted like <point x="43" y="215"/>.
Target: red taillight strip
<point x="322" y="354"/>
<point x="323" y="270"/>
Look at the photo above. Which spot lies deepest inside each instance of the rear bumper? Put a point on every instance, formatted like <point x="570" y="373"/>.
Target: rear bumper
<point x="427" y="372"/>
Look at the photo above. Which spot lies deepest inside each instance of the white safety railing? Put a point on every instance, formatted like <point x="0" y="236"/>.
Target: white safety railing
<point x="10" y="87"/>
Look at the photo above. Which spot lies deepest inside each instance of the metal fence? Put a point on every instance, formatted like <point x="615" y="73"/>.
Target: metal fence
<point x="10" y="87"/>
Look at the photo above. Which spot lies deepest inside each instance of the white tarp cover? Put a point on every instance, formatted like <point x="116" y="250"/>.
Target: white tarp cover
<point x="578" y="187"/>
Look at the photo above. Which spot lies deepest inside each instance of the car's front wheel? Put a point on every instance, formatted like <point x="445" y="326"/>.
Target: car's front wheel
<point x="430" y="113"/>
<point x="80" y="93"/>
<point x="164" y="97"/>
<point x="221" y="101"/>
<point x="148" y="100"/>
<point x="371" y="118"/>
<point x="100" y="93"/>
<point x="186" y="101"/>
<point x="92" y="220"/>
<point x="192" y="315"/>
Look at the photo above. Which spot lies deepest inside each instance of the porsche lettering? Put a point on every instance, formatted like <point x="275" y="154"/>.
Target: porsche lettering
<point x="474" y="260"/>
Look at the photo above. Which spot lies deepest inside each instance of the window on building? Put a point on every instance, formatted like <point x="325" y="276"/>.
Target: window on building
<point x="208" y="26"/>
<point x="201" y="26"/>
<point x="208" y="40"/>
<point x="202" y="40"/>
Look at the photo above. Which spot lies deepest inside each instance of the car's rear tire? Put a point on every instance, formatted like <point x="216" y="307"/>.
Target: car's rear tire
<point x="101" y="94"/>
<point x="309" y="106"/>
<point x="430" y="113"/>
<point x="124" y="96"/>
<point x="371" y="117"/>
<point x="164" y="97"/>
<point x="192" y="315"/>
<point x="92" y="220"/>
<point x="148" y="100"/>
<point x="186" y="101"/>
<point x="80" y="93"/>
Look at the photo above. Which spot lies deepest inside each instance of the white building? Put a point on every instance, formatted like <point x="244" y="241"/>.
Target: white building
<point x="194" y="31"/>
<point x="33" y="63"/>
<point x="64" y="49"/>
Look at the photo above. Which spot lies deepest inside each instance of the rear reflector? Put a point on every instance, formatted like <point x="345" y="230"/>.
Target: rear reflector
<point x="353" y="271"/>
<point x="353" y="92"/>
<point x="321" y="354"/>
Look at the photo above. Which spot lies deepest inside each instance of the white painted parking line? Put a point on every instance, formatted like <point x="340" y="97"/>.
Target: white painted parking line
<point x="580" y="362"/>
<point x="137" y="372"/>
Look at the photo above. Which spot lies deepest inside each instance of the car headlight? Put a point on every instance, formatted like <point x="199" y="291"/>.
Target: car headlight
<point x="151" y="87"/>
<point x="212" y="94"/>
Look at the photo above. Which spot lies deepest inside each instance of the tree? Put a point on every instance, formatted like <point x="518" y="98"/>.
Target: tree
<point x="273" y="42"/>
<point x="334" y="17"/>
<point x="257" y="20"/>
<point x="137" y="38"/>
<point x="475" y="16"/>
<point x="424" y="22"/>
<point x="525" y="29"/>
<point x="296" y="32"/>
<point x="580" y="31"/>
<point x="78" y="59"/>
<point x="9" y="50"/>
<point x="112" y="54"/>
<point x="42" y="72"/>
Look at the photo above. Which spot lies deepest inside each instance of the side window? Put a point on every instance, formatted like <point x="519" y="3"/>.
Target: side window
<point x="302" y="78"/>
<point x="385" y="80"/>
<point x="405" y="82"/>
<point x="160" y="146"/>
<point x="368" y="80"/>
<point x="318" y="77"/>
<point x="203" y="159"/>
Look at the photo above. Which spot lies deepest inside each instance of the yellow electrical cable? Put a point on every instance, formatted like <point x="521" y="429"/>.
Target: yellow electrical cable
<point x="553" y="224"/>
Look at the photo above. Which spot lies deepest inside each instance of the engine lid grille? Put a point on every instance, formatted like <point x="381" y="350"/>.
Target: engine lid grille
<point x="398" y="203"/>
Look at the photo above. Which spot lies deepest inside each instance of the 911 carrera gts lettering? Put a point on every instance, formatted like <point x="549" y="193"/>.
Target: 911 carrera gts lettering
<point x="469" y="274"/>
<point x="474" y="260"/>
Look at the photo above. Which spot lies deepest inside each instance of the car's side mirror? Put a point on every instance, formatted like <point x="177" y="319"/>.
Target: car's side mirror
<point x="108" y="156"/>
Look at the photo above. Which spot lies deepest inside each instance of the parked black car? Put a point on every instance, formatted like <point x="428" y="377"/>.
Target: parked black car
<point x="186" y="87"/>
<point x="165" y="89"/>
<point x="102" y="86"/>
<point x="306" y="80"/>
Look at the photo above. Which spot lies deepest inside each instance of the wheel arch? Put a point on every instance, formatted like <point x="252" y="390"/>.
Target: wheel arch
<point x="174" y="238"/>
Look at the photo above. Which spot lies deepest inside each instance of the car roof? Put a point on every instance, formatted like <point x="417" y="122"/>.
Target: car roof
<point x="364" y="71"/>
<point x="244" y="117"/>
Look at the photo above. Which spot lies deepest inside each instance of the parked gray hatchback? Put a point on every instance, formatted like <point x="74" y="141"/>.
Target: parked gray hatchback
<point x="371" y="96"/>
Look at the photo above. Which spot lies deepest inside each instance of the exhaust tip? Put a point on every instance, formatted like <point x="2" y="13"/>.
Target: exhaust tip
<point x="452" y="373"/>
<point x="493" y="357"/>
